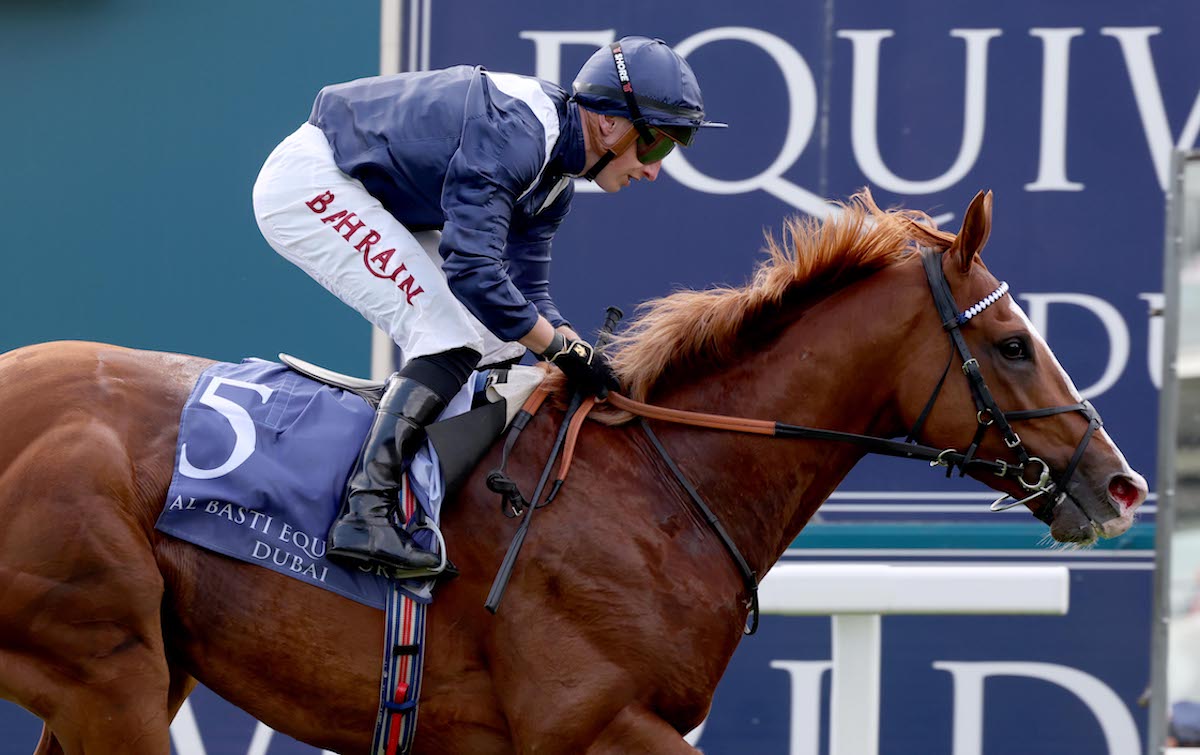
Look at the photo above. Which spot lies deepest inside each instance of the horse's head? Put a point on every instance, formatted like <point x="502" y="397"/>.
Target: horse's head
<point x="1019" y="418"/>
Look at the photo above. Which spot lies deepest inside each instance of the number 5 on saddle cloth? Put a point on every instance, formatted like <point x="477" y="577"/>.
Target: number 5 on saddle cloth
<point x="264" y="452"/>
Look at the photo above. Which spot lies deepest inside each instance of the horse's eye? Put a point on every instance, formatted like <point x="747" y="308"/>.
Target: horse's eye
<point x="1014" y="349"/>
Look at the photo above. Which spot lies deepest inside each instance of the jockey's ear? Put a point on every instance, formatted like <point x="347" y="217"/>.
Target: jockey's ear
<point x="971" y="238"/>
<point x="608" y="125"/>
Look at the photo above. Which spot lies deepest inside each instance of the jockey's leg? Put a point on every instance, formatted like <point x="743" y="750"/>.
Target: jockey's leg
<point x="329" y="225"/>
<point x="496" y="353"/>
<point x="414" y="397"/>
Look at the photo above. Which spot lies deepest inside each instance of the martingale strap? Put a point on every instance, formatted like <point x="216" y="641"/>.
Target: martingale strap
<point x="988" y="414"/>
<point x="749" y="577"/>
<point x="499" y="481"/>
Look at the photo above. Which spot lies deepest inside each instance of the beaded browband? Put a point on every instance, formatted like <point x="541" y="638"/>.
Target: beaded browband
<point x="983" y="303"/>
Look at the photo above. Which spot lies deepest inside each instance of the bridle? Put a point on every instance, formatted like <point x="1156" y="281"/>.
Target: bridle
<point x="987" y="414"/>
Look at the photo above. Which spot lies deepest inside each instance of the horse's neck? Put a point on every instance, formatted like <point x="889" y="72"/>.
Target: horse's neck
<point x="827" y="370"/>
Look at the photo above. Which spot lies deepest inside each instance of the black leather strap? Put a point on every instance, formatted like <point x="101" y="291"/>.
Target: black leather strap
<point x="749" y="578"/>
<point x="500" y="583"/>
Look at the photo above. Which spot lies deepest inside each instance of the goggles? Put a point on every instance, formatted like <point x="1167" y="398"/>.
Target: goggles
<point x="665" y="139"/>
<point x="662" y="140"/>
<point x="653" y="142"/>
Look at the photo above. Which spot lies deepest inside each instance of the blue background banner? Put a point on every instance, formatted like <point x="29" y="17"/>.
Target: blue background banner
<point x="140" y="127"/>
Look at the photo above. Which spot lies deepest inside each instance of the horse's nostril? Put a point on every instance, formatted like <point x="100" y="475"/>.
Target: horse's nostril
<point x="1125" y="491"/>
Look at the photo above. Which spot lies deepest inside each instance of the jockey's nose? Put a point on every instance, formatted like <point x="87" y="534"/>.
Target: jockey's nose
<point x="651" y="170"/>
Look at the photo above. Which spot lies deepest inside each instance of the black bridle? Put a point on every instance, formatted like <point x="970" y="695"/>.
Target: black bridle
<point x="988" y="414"/>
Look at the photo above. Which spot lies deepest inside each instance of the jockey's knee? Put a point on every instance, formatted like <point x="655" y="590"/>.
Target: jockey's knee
<point x="444" y="373"/>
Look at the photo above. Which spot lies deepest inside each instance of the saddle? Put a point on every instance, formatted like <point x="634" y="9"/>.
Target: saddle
<point x="460" y="441"/>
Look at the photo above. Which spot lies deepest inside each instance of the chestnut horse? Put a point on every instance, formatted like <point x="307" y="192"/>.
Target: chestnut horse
<point x="624" y="608"/>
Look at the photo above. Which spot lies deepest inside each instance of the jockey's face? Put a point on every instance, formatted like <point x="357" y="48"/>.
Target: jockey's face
<point x="625" y="168"/>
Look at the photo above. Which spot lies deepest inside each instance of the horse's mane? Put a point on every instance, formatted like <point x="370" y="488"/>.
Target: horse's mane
<point x="697" y="329"/>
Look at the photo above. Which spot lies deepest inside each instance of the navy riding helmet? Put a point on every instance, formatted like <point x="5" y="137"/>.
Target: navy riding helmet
<point x="644" y="80"/>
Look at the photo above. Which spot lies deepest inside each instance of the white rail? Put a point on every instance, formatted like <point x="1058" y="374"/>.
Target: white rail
<point x="857" y="595"/>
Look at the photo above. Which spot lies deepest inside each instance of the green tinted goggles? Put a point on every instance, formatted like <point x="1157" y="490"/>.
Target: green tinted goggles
<point x="664" y="140"/>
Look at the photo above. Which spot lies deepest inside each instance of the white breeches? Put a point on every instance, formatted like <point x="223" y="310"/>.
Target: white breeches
<point x="327" y="223"/>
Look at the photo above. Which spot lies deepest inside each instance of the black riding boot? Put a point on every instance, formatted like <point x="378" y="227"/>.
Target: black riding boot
<point x="364" y="530"/>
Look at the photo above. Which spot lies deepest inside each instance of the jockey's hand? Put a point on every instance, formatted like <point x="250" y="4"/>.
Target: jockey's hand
<point x="587" y="370"/>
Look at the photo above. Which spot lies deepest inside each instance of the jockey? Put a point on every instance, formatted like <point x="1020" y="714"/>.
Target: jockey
<point x="487" y="158"/>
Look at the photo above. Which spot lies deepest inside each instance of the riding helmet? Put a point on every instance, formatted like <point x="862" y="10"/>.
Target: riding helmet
<point x="663" y="84"/>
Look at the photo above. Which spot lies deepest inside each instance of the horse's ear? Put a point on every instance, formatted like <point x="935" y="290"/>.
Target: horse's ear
<point x="971" y="238"/>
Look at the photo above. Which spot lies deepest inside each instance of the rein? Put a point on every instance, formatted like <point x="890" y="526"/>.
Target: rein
<point x="987" y="414"/>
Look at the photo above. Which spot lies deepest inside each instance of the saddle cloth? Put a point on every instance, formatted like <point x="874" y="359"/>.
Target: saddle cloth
<point x="262" y="461"/>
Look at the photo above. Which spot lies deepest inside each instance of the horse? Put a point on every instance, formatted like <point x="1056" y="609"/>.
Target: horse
<point x="624" y="608"/>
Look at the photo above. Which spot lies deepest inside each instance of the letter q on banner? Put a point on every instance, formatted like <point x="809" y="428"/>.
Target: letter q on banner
<point x="801" y="119"/>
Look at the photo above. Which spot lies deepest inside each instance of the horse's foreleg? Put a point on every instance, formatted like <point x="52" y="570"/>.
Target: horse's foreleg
<point x="182" y="685"/>
<point x="118" y="698"/>
<point x="81" y="620"/>
<point x="48" y="745"/>
<point x="636" y="729"/>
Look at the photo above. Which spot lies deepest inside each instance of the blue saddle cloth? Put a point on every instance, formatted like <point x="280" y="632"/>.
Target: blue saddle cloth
<point x="260" y="466"/>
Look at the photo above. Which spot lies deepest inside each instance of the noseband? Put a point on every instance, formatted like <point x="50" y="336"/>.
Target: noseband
<point x="988" y="414"/>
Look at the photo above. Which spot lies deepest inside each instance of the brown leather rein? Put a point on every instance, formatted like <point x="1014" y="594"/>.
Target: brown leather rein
<point x="988" y="414"/>
<point x="515" y="504"/>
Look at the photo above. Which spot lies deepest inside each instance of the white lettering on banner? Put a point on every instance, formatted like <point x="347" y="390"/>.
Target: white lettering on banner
<point x="801" y="119"/>
<point x="864" y="117"/>
<point x="804" y="737"/>
<point x="803" y="107"/>
<point x="1120" y="731"/>
<point x="1052" y="154"/>
<point x="547" y="49"/>
<point x="1135" y="47"/>
<point x="806" y="677"/>
<point x="1114" y="326"/>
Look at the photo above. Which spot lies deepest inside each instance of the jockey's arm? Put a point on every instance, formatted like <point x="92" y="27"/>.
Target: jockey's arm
<point x="538" y="339"/>
<point x="497" y="254"/>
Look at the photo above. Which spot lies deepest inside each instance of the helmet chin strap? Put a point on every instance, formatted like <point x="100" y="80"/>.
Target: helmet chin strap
<point x="640" y="126"/>
<point x="600" y="165"/>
